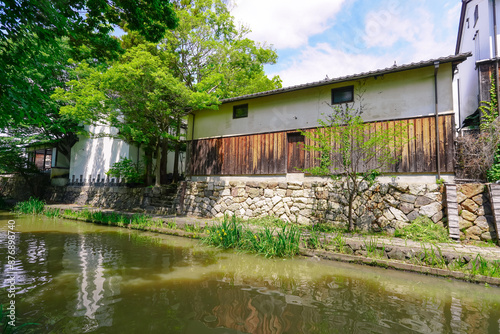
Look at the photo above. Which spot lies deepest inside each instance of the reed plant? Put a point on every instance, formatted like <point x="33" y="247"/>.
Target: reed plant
<point x="52" y="212"/>
<point x="33" y="206"/>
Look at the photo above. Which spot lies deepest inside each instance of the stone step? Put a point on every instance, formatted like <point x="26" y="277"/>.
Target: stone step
<point x="452" y="211"/>
<point x="495" y="207"/>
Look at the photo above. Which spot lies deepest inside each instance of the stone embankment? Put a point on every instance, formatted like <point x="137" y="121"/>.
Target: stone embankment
<point x="383" y="207"/>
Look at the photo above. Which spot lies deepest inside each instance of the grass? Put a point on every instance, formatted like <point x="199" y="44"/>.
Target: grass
<point x="19" y="328"/>
<point x="33" y="206"/>
<point x="270" y="242"/>
<point x="423" y="229"/>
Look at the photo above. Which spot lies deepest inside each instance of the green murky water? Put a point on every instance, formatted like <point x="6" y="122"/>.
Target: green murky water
<point x="82" y="278"/>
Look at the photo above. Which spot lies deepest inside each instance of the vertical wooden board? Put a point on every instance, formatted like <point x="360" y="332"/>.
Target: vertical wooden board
<point x="449" y="126"/>
<point x="270" y="165"/>
<point x="412" y="154"/>
<point x="234" y="155"/>
<point x="265" y="161"/>
<point x="281" y="153"/>
<point x="258" y="155"/>
<point x="419" y="149"/>
<point x="196" y="161"/>
<point x="275" y="152"/>
<point x="250" y="155"/>
<point x="307" y="154"/>
<point x="389" y="126"/>
<point x="229" y="158"/>
<point x="255" y="158"/>
<point x="442" y="140"/>
<point x="239" y="155"/>
<point x="218" y="156"/>
<point x="405" y="163"/>
<point x="433" y="144"/>
<point x="224" y="156"/>
<point x="244" y="157"/>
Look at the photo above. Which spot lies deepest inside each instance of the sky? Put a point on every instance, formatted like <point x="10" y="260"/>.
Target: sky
<point x="319" y="38"/>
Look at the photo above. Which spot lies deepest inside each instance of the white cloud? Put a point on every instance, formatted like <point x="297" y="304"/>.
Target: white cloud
<point x="285" y="23"/>
<point x="315" y="63"/>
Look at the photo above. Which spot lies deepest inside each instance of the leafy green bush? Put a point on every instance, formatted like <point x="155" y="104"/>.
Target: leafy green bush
<point x="423" y="229"/>
<point x="493" y="173"/>
<point x="32" y="206"/>
<point x="128" y="170"/>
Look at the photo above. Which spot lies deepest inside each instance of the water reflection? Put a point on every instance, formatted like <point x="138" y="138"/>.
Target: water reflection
<point x="93" y="279"/>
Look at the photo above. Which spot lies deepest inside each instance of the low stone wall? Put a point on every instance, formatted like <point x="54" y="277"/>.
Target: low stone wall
<point x="160" y="200"/>
<point x="475" y="217"/>
<point x="15" y="188"/>
<point x="383" y="207"/>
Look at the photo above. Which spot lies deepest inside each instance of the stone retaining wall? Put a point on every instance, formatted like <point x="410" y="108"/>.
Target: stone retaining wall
<point x="475" y="217"/>
<point x="384" y="206"/>
<point x="160" y="200"/>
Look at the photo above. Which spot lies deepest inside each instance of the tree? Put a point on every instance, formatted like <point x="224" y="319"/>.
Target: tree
<point x="38" y="36"/>
<point x="138" y="95"/>
<point x="351" y="155"/>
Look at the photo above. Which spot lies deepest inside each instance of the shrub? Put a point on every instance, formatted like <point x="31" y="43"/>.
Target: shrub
<point x="128" y="170"/>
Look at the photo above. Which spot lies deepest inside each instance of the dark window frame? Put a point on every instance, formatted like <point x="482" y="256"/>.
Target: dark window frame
<point x="343" y="90"/>
<point x="240" y="107"/>
<point x="476" y="15"/>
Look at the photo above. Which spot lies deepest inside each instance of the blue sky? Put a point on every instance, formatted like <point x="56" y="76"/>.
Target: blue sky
<point x="316" y="38"/>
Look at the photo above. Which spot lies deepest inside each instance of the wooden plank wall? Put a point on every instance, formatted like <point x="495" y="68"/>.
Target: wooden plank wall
<point x="266" y="153"/>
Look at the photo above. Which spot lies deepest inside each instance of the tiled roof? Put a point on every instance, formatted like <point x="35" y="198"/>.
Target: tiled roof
<point x="456" y="59"/>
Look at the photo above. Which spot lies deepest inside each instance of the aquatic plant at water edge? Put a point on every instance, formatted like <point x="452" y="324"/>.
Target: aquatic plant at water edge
<point x="268" y="242"/>
<point x="32" y="206"/>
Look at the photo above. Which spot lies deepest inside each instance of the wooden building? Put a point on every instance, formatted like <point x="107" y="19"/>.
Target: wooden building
<point x="259" y="134"/>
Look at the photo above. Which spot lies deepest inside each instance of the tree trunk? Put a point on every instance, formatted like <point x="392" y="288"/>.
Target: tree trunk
<point x="163" y="161"/>
<point x="149" y="167"/>
<point x="177" y="148"/>
<point x="158" y="165"/>
<point x="351" y="222"/>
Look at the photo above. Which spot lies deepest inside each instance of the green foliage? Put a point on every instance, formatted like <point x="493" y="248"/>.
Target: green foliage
<point x="269" y="242"/>
<point x="130" y="171"/>
<point x="52" y="213"/>
<point x="481" y="266"/>
<point x="32" y="206"/>
<point x="19" y="328"/>
<point x="423" y="229"/>
<point x="493" y="174"/>
<point x="350" y="153"/>
<point x="440" y="181"/>
<point x="37" y="38"/>
<point x="489" y="109"/>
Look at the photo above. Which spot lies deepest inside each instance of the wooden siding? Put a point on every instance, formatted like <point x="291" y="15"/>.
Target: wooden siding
<point x="269" y="153"/>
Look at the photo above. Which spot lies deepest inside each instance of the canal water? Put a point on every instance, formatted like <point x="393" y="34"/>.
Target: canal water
<point x="74" y="277"/>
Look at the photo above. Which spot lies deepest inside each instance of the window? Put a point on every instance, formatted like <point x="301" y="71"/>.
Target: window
<point x="240" y="111"/>
<point x="343" y="95"/>
<point x="476" y="15"/>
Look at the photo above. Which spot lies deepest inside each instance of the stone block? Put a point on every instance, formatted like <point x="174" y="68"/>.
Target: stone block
<point x="482" y="223"/>
<point x="467" y="215"/>
<point x="422" y="201"/>
<point x="406" y="207"/>
<point x="437" y="217"/>
<point x="268" y="193"/>
<point x="471" y="189"/>
<point x="430" y="209"/>
<point x="460" y="197"/>
<point x="473" y="232"/>
<point x="398" y="214"/>
<point x="469" y="205"/>
<point x="407" y="198"/>
<point x="480" y="199"/>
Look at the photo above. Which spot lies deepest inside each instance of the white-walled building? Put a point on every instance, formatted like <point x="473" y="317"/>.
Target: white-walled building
<point x="257" y="134"/>
<point x="478" y="34"/>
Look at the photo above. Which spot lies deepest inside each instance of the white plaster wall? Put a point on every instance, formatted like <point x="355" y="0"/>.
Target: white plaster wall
<point x="478" y="39"/>
<point x="94" y="156"/>
<point x="391" y="96"/>
<point x="91" y="157"/>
